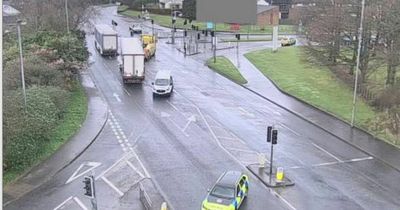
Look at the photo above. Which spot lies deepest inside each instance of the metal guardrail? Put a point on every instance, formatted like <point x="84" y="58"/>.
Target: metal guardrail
<point x="144" y="197"/>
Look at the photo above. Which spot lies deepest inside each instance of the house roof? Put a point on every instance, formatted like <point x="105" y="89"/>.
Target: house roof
<point x="263" y="8"/>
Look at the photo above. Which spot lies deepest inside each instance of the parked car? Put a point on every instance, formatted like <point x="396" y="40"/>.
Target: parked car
<point x="228" y="193"/>
<point x="163" y="83"/>
<point x="285" y="41"/>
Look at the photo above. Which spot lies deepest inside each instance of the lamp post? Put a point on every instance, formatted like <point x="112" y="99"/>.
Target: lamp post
<point x="66" y="15"/>
<point x="358" y="62"/>
<point x="19" y="23"/>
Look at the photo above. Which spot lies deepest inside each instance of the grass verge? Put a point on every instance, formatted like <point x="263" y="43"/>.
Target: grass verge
<point x="313" y="84"/>
<point x="73" y="118"/>
<point x="165" y="20"/>
<point x="224" y="67"/>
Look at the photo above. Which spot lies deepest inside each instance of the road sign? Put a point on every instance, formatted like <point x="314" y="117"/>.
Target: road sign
<point x="210" y="25"/>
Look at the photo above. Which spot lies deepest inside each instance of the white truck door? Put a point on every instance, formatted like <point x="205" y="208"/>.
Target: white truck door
<point x="128" y="65"/>
<point x="109" y="42"/>
<point x="139" y="65"/>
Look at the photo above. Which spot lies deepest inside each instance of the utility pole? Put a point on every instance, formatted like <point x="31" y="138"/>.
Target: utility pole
<point x="19" y="22"/>
<point x="215" y="43"/>
<point x="66" y="14"/>
<point x="173" y="26"/>
<point x="358" y="62"/>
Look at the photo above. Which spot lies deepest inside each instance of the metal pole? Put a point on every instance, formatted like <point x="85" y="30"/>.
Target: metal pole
<point x="248" y="31"/>
<point x="358" y="63"/>
<point x="94" y="200"/>
<point x="21" y="60"/>
<point x="66" y="14"/>
<point x="237" y="54"/>
<point x="215" y="43"/>
<point x="270" y="164"/>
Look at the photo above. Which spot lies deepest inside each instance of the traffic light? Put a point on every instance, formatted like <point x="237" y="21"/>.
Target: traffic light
<point x="202" y="31"/>
<point x="152" y="21"/>
<point x="114" y="23"/>
<point x="198" y="36"/>
<point x="174" y="29"/>
<point x="269" y="133"/>
<point x="274" y="136"/>
<point x="185" y="33"/>
<point x="89" y="186"/>
<point x="206" y="33"/>
<point x="212" y="33"/>
<point x="237" y="36"/>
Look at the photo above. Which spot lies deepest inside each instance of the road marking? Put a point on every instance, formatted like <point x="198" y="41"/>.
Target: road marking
<point x="190" y="120"/>
<point x="113" y="165"/>
<point x="79" y="202"/>
<point x="242" y="150"/>
<point x="134" y="168"/>
<point x="283" y="125"/>
<point x="141" y="164"/>
<point x="173" y="106"/>
<point x="127" y="92"/>
<point x="63" y="203"/>
<point x="245" y="112"/>
<point x="360" y="159"/>
<point x="75" y="175"/>
<point x="283" y="199"/>
<point x="322" y="149"/>
<point x="334" y="163"/>
<point x="112" y="186"/>
<point x="165" y="114"/>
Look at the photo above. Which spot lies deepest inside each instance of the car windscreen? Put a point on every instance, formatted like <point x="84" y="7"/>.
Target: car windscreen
<point x="162" y="82"/>
<point x="223" y="192"/>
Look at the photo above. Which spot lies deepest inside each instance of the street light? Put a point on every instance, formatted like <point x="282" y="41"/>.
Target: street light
<point x="358" y="63"/>
<point x="66" y="14"/>
<point x="19" y="23"/>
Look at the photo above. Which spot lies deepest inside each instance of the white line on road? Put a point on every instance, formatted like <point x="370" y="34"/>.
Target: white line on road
<point x="359" y="159"/>
<point x="330" y="154"/>
<point x="243" y="150"/>
<point x="63" y="203"/>
<point x="127" y="92"/>
<point x="173" y="106"/>
<point x="283" y="125"/>
<point x="113" y="165"/>
<point x="117" y="97"/>
<point x="134" y="168"/>
<point x="112" y="186"/>
<point x="79" y="202"/>
<point x="141" y="164"/>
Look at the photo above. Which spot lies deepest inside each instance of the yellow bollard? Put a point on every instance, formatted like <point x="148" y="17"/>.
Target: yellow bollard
<point x="164" y="206"/>
<point x="279" y="174"/>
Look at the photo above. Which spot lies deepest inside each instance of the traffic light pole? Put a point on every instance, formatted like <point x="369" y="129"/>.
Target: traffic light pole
<point x="270" y="164"/>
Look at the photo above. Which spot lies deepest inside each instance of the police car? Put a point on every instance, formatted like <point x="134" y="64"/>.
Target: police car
<point x="228" y="193"/>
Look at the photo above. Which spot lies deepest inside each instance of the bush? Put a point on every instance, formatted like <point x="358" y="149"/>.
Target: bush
<point x="27" y="131"/>
<point x="37" y="72"/>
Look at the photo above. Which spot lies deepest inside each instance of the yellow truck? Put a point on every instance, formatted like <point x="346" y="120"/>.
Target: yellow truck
<point x="149" y="51"/>
<point x="149" y="45"/>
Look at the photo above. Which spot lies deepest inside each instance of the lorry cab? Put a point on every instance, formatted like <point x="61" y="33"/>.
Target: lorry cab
<point x="163" y="83"/>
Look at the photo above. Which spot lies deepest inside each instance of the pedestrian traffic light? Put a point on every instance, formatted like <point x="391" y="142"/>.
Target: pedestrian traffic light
<point x="274" y="136"/>
<point x="198" y="36"/>
<point x="237" y="36"/>
<point x="185" y="33"/>
<point x="269" y="133"/>
<point x="89" y="186"/>
<point x="202" y="31"/>
<point x="212" y="33"/>
<point x="152" y="21"/>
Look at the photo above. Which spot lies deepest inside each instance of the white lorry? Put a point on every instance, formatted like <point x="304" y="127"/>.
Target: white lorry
<point x="131" y="60"/>
<point x="106" y="40"/>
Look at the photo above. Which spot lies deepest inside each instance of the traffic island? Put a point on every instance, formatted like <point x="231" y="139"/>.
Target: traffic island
<point x="273" y="181"/>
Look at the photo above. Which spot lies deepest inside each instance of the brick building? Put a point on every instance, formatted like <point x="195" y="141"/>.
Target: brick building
<point x="267" y="15"/>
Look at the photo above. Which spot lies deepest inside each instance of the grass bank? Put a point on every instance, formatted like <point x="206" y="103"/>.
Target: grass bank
<point x="315" y="85"/>
<point x="224" y="67"/>
<point x="73" y="117"/>
<point x="165" y="20"/>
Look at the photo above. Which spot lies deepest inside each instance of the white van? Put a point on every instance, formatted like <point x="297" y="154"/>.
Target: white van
<point x="106" y="40"/>
<point x="163" y="83"/>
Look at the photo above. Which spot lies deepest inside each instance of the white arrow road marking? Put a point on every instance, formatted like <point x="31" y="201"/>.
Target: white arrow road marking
<point x="75" y="175"/>
<point x="190" y="120"/>
<point x="164" y="114"/>
<point x="117" y="97"/>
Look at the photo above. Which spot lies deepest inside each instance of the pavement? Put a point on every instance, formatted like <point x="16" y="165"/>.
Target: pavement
<point x="87" y="134"/>
<point x="356" y="137"/>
